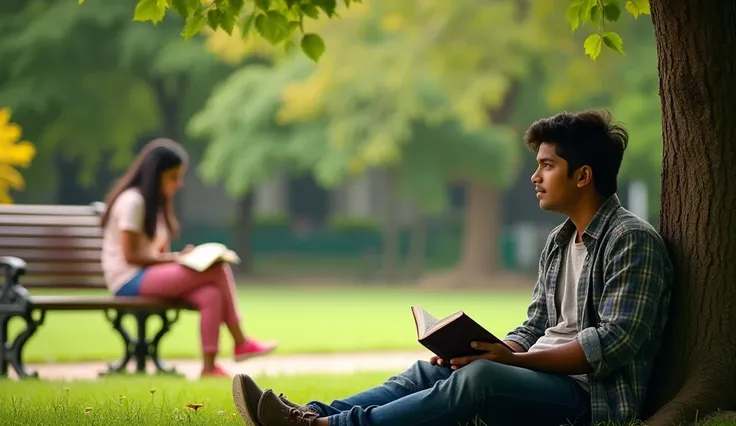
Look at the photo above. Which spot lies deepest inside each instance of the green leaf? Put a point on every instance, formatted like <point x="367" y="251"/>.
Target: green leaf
<point x="150" y="10"/>
<point x="185" y="8"/>
<point x="327" y="5"/>
<point x="194" y="25"/>
<point x="586" y="6"/>
<point x="264" y="5"/>
<point x="592" y="45"/>
<point x="214" y="18"/>
<point x="313" y="45"/>
<point x="227" y="22"/>
<point x="612" y="11"/>
<point x="81" y="1"/>
<point x="595" y="15"/>
<point x="573" y="14"/>
<point x="233" y="7"/>
<point x="614" y="41"/>
<point x="247" y="25"/>
<point x="310" y="10"/>
<point x="638" y="7"/>
<point x="273" y="26"/>
<point x="293" y="26"/>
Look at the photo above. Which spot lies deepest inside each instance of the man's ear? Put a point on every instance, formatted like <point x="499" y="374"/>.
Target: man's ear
<point x="585" y="176"/>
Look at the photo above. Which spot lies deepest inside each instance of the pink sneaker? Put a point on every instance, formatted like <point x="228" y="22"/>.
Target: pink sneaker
<point x="252" y="348"/>
<point x="218" y="372"/>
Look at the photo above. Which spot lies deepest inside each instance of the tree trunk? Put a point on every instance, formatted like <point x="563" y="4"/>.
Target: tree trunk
<point x="479" y="265"/>
<point x="695" y="373"/>
<point x="243" y="233"/>
<point x="480" y="254"/>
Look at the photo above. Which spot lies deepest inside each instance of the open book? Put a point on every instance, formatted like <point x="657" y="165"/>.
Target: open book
<point x="450" y="337"/>
<point x="205" y="255"/>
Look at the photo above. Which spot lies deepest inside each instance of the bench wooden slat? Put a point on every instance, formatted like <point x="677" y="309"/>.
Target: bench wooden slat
<point x="45" y="255"/>
<point x="50" y="232"/>
<point x="64" y="269"/>
<point x="76" y="303"/>
<point x="44" y="209"/>
<point x="63" y="284"/>
<point x="48" y="220"/>
<point x="7" y="245"/>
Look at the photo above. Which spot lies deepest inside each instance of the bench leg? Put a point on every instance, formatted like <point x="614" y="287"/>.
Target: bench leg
<point x="128" y="343"/>
<point x="153" y="346"/>
<point x="141" y="348"/>
<point x="13" y="352"/>
<point x="4" y="320"/>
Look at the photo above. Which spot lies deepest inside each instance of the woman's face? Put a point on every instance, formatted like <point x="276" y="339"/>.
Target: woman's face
<point x="172" y="180"/>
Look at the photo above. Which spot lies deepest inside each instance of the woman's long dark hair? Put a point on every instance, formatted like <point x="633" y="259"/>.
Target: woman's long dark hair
<point x="144" y="174"/>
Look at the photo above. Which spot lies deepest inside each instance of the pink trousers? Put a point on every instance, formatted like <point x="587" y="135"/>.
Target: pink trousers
<point x="211" y="291"/>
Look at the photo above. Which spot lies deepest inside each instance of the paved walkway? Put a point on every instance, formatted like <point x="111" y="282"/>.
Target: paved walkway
<point x="267" y="365"/>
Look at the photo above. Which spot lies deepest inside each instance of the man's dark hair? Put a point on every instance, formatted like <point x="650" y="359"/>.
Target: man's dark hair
<point x="584" y="138"/>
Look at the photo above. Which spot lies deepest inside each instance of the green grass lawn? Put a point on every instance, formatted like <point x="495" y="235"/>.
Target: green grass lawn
<point x="163" y="400"/>
<point x="302" y="320"/>
<point x="155" y="400"/>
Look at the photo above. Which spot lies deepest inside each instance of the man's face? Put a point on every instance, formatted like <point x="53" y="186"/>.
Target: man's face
<point x="555" y="190"/>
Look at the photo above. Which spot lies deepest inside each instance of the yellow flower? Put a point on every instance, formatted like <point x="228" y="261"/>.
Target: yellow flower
<point x="13" y="153"/>
<point x="195" y="407"/>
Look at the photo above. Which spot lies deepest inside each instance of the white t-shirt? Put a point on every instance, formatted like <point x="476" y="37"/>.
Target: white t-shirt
<point x="566" y="301"/>
<point x="127" y="214"/>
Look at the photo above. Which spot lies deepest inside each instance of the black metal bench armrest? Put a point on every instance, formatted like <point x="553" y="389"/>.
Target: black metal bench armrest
<point x="14" y="267"/>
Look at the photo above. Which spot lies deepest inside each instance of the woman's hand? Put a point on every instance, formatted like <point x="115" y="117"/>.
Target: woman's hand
<point x="187" y="249"/>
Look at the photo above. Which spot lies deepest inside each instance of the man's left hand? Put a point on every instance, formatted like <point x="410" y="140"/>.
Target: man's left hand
<point x="493" y="352"/>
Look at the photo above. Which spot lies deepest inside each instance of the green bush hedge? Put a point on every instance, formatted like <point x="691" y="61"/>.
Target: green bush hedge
<point x="341" y="238"/>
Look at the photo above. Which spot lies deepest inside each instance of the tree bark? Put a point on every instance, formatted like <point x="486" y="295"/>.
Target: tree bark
<point x="695" y="373"/>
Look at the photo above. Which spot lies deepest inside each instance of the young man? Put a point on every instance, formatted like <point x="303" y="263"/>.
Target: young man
<point x="585" y="352"/>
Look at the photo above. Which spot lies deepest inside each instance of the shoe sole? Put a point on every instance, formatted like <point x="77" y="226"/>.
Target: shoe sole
<point x="240" y="398"/>
<point x="244" y="357"/>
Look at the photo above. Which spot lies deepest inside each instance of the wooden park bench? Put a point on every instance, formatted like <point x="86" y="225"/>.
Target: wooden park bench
<point x="58" y="248"/>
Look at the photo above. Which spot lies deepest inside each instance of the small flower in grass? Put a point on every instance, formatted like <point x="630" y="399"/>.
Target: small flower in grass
<point x="232" y="415"/>
<point x="87" y="410"/>
<point x="195" y="407"/>
<point x="152" y="391"/>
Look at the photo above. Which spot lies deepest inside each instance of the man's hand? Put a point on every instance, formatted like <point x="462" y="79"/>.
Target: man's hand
<point x="435" y="360"/>
<point x="493" y="352"/>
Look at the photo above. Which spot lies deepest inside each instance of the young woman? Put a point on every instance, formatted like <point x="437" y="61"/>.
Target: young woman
<point x="138" y="225"/>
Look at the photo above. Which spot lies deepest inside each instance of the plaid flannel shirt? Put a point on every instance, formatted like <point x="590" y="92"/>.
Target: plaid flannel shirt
<point x="623" y="297"/>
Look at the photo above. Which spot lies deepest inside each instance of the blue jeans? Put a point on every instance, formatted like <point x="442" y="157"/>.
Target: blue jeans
<point x="480" y="393"/>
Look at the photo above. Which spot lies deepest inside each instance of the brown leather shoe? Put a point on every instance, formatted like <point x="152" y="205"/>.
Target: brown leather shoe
<point x="273" y="411"/>
<point x="247" y="394"/>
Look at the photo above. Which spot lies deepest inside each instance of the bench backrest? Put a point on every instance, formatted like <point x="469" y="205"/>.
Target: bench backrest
<point x="60" y="244"/>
